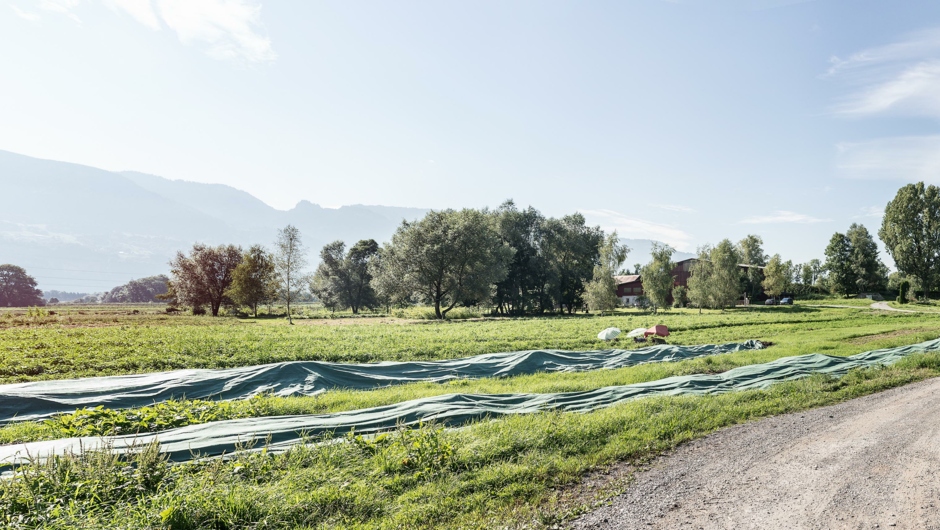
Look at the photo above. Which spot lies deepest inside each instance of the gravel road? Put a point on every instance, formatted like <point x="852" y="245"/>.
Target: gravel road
<point x="873" y="462"/>
<point x="883" y="306"/>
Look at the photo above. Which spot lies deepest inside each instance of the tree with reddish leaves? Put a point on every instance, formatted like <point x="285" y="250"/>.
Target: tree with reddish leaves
<point x="203" y="277"/>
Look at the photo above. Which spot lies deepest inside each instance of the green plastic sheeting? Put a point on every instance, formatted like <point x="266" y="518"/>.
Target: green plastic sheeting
<point x="36" y="400"/>
<point x="218" y="438"/>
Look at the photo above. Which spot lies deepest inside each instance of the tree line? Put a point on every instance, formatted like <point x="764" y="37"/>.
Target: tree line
<point x="516" y="260"/>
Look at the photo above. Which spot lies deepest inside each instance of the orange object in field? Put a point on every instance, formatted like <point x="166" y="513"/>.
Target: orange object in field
<point x="658" y="329"/>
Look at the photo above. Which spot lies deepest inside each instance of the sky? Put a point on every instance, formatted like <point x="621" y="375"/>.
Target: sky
<point x="685" y="121"/>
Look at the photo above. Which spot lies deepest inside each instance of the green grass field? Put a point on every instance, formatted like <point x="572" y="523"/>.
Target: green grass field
<point x="521" y="471"/>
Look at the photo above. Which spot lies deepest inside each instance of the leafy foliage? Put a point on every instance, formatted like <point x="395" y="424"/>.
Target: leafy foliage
<point x="447" y="258"/>
<point x="253" y="280"/>
<point x="204" y="276"/>
<point x="290" y="261"/>
<point x="141" y="291"/>
<point x="910" y="231"/>
<point x="657" y="276"/>
<point x="18" y="289"/>
<point x="776" y="277"/>
<point x="343" y="279"/>
<point x="602" y="291"/>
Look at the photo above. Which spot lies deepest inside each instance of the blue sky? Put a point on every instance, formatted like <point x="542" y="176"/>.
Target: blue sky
<point x="685" y="121"/>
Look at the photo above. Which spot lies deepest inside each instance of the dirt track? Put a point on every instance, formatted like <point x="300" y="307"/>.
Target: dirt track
<point x="873" y="462"/>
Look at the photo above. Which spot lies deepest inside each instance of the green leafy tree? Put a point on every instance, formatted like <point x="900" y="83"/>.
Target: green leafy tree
<point x="807" y="278"/>
<point x="680" y="296"/>
<point x="842" y="278"/>
<point x="910" y="231"/>
<point x="522" y="289"/>
<point x="290" y="263"/>
<point x="140" y="291"/>
<point x="751" y="252"/>
<point x="391" y="282"/>
<point x="715" y="277"/>
<point x="776" y="277"/>
<point x="870" y="273"/>
<point x="448" y="258"/>
<point x="657" y="276"/>
<point x="254" y="281"/>
<point x="345" y="275"/>
<point x="203" y="277"/>
<point x="571" y="250"/>
<point x="18" y="289"/>
<point x="601" y="294"/>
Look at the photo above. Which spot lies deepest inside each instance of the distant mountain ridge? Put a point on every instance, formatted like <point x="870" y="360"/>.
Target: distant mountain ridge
<point x="79" y="228"/>
<point x="82" y="229"/>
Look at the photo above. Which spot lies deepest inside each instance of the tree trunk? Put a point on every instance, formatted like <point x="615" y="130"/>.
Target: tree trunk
<point x="437" y="308"/>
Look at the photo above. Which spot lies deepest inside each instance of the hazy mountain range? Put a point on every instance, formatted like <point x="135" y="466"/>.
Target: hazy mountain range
<point x="78" y="228"/>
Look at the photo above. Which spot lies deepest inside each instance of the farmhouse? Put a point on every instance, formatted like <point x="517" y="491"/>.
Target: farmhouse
<point x="630" y="287"/>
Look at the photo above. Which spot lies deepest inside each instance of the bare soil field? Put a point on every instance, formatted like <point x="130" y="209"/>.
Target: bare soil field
<point x="867" y="463"/>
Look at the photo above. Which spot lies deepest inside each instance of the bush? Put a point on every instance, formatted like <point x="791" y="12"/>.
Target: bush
<point x="903" y="292"/>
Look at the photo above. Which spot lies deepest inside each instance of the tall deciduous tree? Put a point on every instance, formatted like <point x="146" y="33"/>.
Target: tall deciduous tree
<point x="571" y="250"/>
<point x="290" y="262"/>
<point x="521" y="291"/>
<point x="448" y="258"/>
<point x="254" y="281"/>
<point x="716" y="278"/>
<point x="751" y="252"/>
<point x="839" y="265"/>
<point x="657" y="276"/>
<point x="910" y="231"/>
<point x="344" y="276"/>
<point x="601" y="294"/>
<point x="776" y="276"/>
<point x="203" y="277"/>
<point x="18" y="289"/>
<point x="393" y="286"/>
<point x="870" y="274"/>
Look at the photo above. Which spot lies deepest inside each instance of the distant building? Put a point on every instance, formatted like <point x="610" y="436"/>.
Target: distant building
<point x="630" y="287"/>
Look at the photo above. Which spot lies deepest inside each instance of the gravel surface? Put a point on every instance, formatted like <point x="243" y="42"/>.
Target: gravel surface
<point x="883" y="306"/>
<point x="873" y="462"/>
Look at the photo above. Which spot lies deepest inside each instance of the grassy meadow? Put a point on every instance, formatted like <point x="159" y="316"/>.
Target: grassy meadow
<point x="526" y="471"/>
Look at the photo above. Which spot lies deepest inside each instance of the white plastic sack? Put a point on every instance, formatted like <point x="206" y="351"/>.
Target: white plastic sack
<point x="609" y="334"/>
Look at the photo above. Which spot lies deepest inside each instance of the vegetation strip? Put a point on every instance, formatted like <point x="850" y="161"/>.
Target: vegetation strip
<point x="520" y="471"/>
<point x="36" y="400"/>
<point x="281" y="432"/>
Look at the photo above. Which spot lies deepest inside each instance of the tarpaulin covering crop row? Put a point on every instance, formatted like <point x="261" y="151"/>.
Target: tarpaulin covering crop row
<point x="282" y="432"/>
<point x="29" y="401"/>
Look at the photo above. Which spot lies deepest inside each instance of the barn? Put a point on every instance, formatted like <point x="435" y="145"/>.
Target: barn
<point x="630" y="287"/>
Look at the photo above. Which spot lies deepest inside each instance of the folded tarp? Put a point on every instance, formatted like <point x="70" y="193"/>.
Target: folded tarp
<point x="40" y="399"/>
<point x="282" y="432"/>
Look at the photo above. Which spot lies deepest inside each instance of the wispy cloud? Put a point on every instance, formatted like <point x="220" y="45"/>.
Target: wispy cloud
<point x="226" y="29"/>
<point x="876" y="212"/>
<point x="140" y="10"/>
<point x="900" y="78"/>
<point x="632" y="227"/>
<point x="908" y="158"/>
<point x="32" y="17"/>
<point x="783" y="216"/>
<point x="62" y="7"/>
<point x="230" y="28"/>
<point x="674" y="208"/>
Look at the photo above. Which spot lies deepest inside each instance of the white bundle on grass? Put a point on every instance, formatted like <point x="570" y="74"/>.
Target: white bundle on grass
<point x="609" y="334"/>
